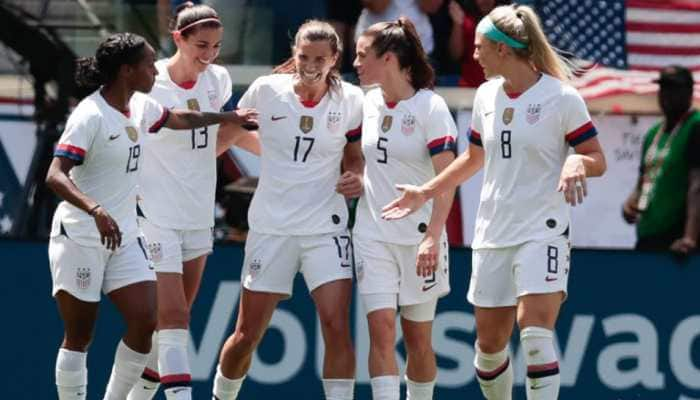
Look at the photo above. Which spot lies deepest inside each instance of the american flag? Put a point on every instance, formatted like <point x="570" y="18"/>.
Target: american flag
<point x="630" y="40"/>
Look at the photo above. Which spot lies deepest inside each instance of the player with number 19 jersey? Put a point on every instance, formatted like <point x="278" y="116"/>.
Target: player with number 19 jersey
<point x="302" y="148"/>
<point x="179" y="175"/>
<point x="526" y="140"/>
<point x="106" y="146"/>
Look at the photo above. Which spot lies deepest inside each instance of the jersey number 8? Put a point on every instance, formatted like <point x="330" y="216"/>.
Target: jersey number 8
<point x="505" y="144"/>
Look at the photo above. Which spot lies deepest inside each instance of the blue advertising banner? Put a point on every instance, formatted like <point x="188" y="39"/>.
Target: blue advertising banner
<point x="629" y="330"/>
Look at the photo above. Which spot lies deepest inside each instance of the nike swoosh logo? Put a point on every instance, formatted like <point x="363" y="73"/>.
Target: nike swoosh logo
<point x="112" y="137"/>
<point x="538" y="387"/>
<point x="486" y="114"/>
<point x="428" y="287"/>
<point x="179" y="390"/>
<point x="550" y="278"/>
<point x="278" y="118"/>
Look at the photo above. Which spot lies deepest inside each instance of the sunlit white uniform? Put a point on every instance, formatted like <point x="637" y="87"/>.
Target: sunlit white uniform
<point x="106" y="146"/>
<point x="178" y="180"/>
<point x="521" y="241"/>
<point x="398" y="143"/>
<point x="297" y="219"/>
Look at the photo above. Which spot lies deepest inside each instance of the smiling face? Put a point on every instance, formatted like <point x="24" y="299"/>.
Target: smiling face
<point x="314" y="60"/>
<point x="201" y="47"/>
<point x="367" y="63"/>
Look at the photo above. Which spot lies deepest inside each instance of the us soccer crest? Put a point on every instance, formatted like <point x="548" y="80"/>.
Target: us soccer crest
<point x="333" y="122"/>
<point x="82" y="278"/>
<point x="254" y="267"/>
<point x="408" y="124"/>
<point x="132" y="133"/>
<point x="386" y="123"/>
<point x="508" y="115"/>
<point x="213" y="99"/>
<point x="306" y="123"/>
<point x="193" y="104"/>
<point x="533" y="113"/>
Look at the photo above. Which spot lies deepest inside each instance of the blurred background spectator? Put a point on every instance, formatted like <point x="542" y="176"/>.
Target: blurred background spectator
<point x="390" y="10"/>
<point x="665" y="204"/>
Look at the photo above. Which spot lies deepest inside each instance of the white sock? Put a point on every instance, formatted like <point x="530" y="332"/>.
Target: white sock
<point x="225" y="388"/>
<point x="339" y="389"/>
<point x="174" y="364"/>
<point x="385" y="387"/>
<point x="543" y="377"/>
<point x="494" y="373"/>
<point x="419" y="390"/>
<point x="128" y="366"/>
<point x="147" y="386"/>
<point x="71" y="375"/>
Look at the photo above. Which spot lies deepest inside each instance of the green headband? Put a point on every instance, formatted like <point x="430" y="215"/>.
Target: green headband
<point x="487" y="28"/>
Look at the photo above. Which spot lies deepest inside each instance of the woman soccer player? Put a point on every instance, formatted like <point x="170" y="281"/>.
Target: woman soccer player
<point x="408" y="135"/>
<point x="95" y="245"/>
<point x="309" y="129"/>
<point x="177" y="191"/>
<point x="523" y="121"/>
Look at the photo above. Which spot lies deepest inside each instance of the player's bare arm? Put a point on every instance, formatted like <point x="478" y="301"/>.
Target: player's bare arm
<point x="589" y="161"/>
<point x="350" y="183"/>
<point x="189" y="119"/>
<point x="413" y="197"/>
<point x="429" y="248"/>
<point x="236" y="135"/>
<point x="59" y="182"/>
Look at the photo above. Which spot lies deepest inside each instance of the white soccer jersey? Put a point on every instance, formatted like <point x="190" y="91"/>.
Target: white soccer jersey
<point x="398" y="143"/>
<point x="526" y="141"/>
<point x="106" y="146"/>
<point x="178" y="180"/>
<point x="302" y="148"/>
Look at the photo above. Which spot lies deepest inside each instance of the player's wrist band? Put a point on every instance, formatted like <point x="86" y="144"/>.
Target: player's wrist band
<point x="93" y="209"/>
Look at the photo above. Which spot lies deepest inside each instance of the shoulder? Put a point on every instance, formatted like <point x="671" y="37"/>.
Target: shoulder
<point x="88" y="110"/>
<point x="489" y="88"/>
<point x="218" y="73"/>
<point x="350" y="90"/>
<point x="273" y="82"/>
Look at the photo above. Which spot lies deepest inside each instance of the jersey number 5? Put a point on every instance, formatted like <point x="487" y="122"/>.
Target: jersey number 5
<point x="381" y="146"/>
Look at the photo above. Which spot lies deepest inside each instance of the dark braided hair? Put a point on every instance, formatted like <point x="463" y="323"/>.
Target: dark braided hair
<point x="117" y="50"/>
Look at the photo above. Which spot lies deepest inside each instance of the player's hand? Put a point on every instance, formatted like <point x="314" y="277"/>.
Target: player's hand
<point x="350" y="185"/>
<point x="684" y="245"/>
<point x="630" y="212"/>
<point x="428" y="252"/>
<point x="411" y="199"/>
<point x="110" y="236"/>
<point x="456" y="13"/>
<point x="245" y="117"/>
<point x="572" y="181"/>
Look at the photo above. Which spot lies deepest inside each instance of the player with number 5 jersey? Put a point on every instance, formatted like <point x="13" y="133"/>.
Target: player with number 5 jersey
<point x="525" y="119"/>
<point x="408" y="135"/>
<point x="310" y="161"/>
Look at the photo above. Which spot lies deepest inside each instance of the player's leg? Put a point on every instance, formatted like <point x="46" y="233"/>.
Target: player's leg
<point x="267" y="276"/>
<point x="421" y="367"/>
<point x="541" y="276"/>
<point x="378" y="283"/>
<point x="327" y="269"/>
<point x="492" y="292"/>
<point x="77" y="294"/>
<point x="71" y="364"/>
<point x="254" y="313"/>
<point x="130" y="284"/>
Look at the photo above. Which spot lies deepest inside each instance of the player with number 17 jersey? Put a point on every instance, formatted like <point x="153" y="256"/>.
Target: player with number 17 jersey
<point x="302" y="148"/>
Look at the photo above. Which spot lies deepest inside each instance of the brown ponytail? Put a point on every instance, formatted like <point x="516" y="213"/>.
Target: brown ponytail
<point x="400" y="37"/>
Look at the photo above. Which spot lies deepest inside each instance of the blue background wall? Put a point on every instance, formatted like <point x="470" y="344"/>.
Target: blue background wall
<point x="629" y="330"/>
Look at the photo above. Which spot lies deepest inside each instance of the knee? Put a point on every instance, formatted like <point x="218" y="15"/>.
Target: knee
<point x="335" y="327"/>
<point x="172" y="317"/>
<point x="79" y="341"/>
<point x="144" y="321"/>
<point x="243" y="342"/>
<point x="491" y="345"/>
<point x="382" y="334"/>
<point x="418" y="347"/>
